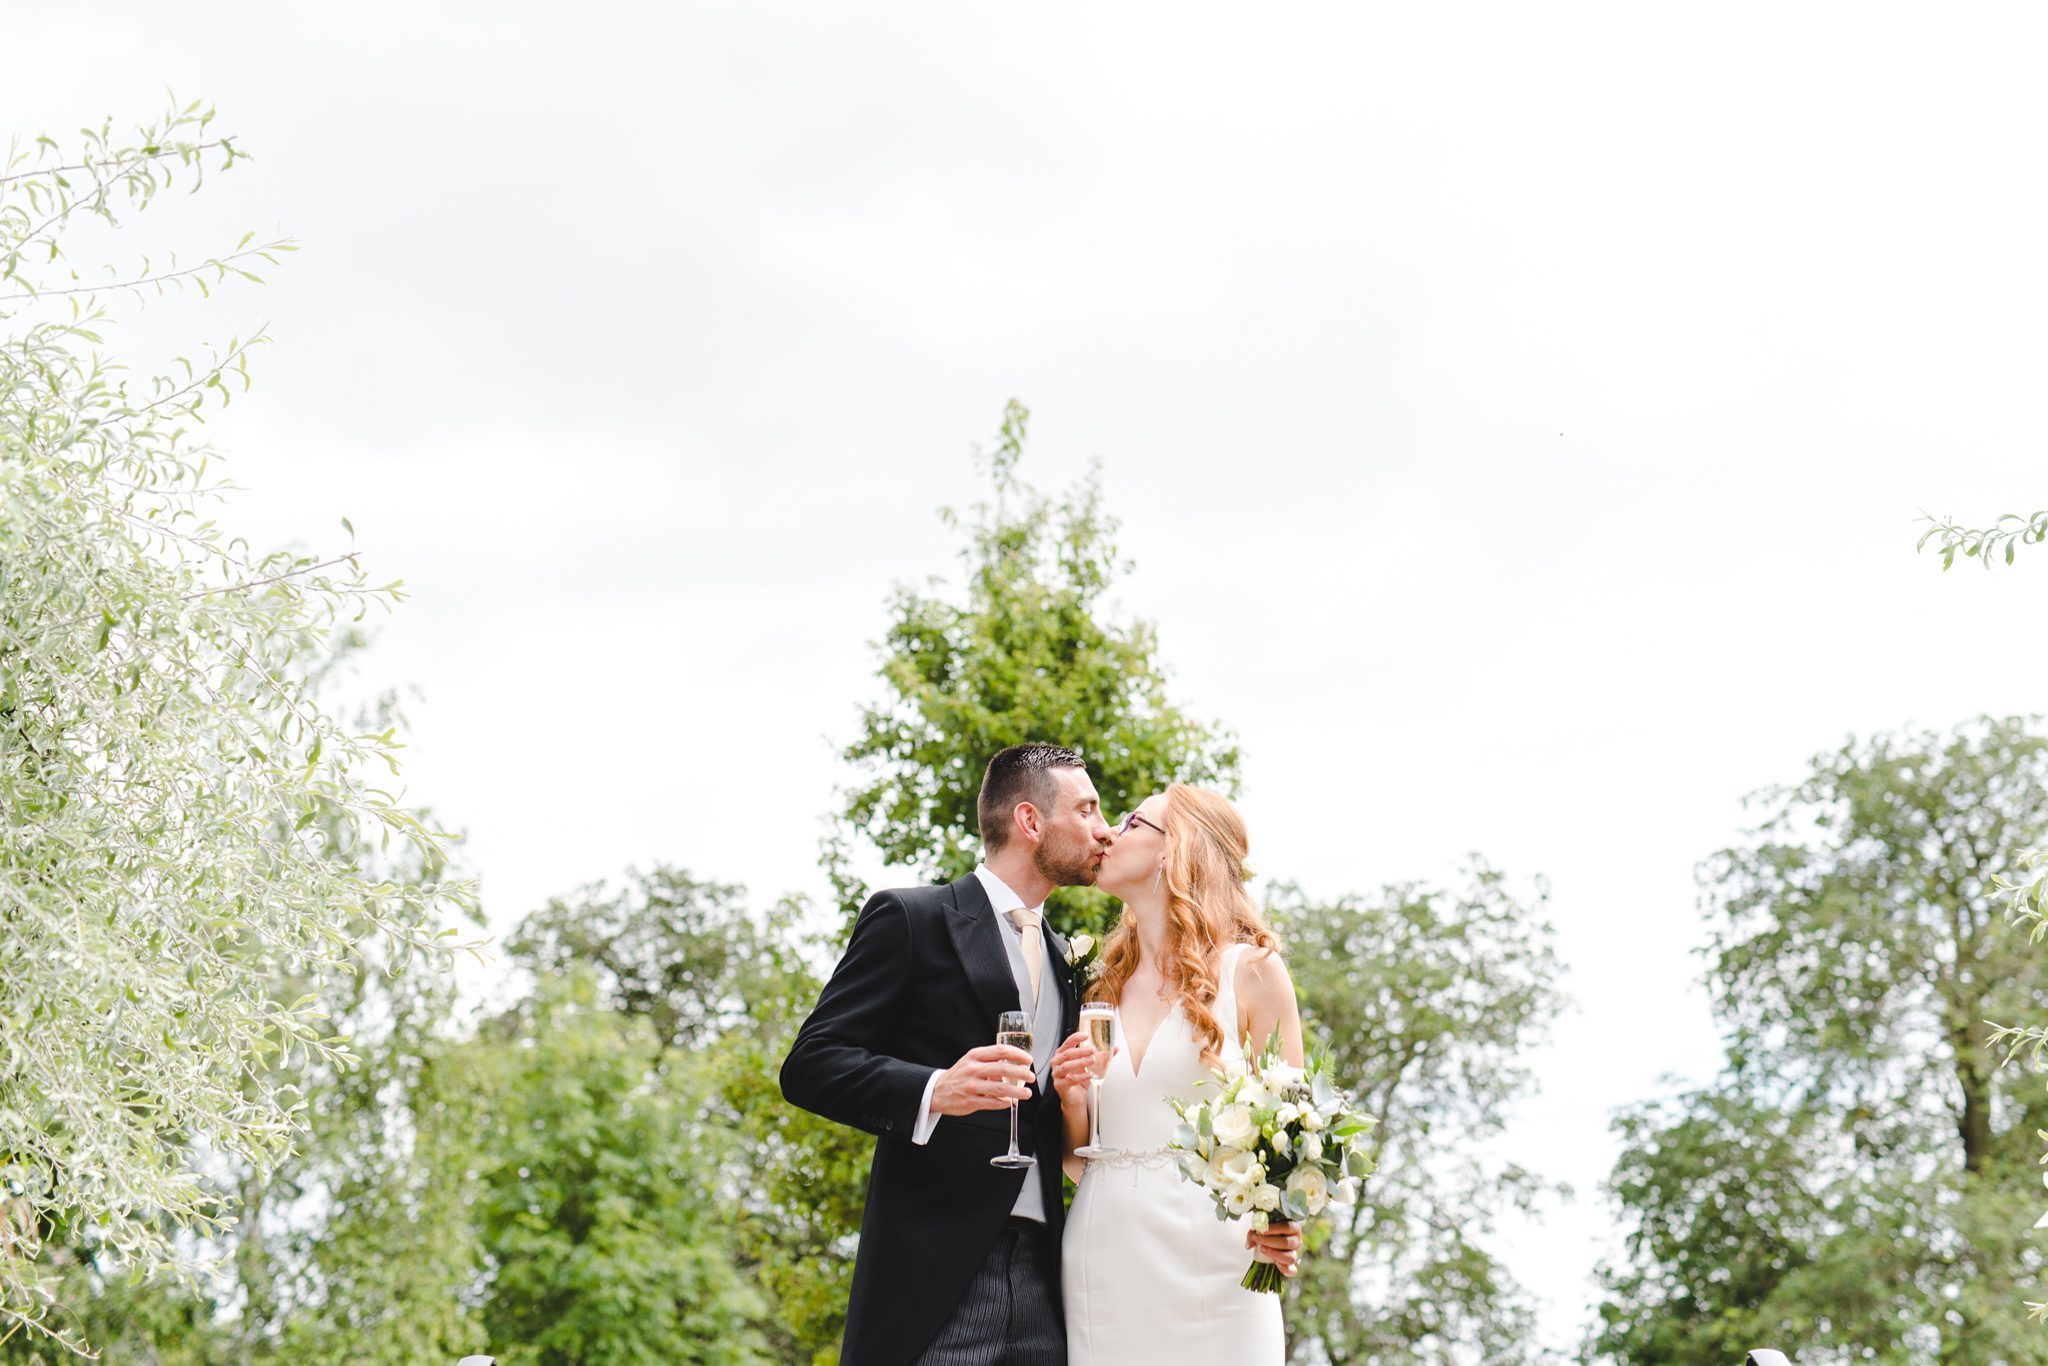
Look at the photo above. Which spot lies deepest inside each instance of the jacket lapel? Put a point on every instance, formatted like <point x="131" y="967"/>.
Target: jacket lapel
<point x="1062" y="972"/>
<point x="979" y="944"/>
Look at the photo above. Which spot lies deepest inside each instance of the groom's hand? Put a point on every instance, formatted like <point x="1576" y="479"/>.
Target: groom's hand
<point x="985" y="1078"/>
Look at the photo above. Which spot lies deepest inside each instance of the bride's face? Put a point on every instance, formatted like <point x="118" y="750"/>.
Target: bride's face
<point x="1139" y="853"/>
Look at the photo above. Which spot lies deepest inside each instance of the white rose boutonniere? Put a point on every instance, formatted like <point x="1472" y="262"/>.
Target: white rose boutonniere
<point x="1084" y="957"/>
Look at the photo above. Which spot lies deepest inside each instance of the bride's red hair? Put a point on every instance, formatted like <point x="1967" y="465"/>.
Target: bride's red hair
<point x="1207" y="909"/>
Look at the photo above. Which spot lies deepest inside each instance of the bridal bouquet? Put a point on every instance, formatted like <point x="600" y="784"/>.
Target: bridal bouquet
<point x="1275" y="1142"/>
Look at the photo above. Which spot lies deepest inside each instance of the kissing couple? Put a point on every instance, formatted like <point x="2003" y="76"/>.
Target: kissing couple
<point x="965" y="1260"/>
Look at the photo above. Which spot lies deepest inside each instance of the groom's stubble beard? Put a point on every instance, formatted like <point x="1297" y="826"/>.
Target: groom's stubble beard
<point x="1066" y="865"/>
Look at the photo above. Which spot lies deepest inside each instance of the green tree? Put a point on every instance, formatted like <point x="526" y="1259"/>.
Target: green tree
<point x="2024" y="885"/>
<point x="724" y="988"/>
<point x="368" y="1252"/>
<point x="1025" y="652"/>
<point x="592" y="1205"/>
<point x="1855" y="1185"/>
<point x="389" y="1267"/>
<point x="124" y="1314"/>
<point x="354" y="1246"/>
<point x="1427" y="1001"/>
<point x="163" y="762"/>
<point x="688" y="955"/>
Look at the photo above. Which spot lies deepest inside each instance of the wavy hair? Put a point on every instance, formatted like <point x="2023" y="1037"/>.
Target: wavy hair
<point x="1207" y="909"/>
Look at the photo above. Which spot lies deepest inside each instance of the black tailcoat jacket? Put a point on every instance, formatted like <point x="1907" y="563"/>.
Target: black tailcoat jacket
<point x="922" y="980"/>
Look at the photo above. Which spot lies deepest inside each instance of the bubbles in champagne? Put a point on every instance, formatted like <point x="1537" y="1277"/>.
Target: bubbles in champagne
<point x="1100" y="1025"/>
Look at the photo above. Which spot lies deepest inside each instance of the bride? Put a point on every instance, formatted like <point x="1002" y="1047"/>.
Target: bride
<point x="1148" y="1271"/>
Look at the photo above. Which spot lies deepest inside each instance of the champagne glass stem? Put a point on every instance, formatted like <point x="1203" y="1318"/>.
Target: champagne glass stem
<point x="1013" y="1030"/>
<point x="1095" y="1112"/>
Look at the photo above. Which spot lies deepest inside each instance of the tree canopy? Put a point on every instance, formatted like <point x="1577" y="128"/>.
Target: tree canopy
<point x="1027" y="650"/>
<point x="181" y="818"/>
<point x="1427" y="1001"/>
<point x="1857" y="1180"/>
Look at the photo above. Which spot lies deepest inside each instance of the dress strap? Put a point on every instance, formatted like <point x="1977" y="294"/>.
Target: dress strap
<point x="1226" y="996"/>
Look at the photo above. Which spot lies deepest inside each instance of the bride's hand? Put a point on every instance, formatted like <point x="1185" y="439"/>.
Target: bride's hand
<point x="1280" y="1244"/>
<point x="1072" y="1065"/>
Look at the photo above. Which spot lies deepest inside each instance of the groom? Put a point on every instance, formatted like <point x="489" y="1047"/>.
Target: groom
<point x="959" y="1261"/>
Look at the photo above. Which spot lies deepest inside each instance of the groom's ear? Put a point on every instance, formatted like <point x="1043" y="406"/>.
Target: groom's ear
<point x="1025" y="821"/>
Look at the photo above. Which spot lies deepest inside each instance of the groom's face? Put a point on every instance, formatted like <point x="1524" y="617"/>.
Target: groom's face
<point x="1073" y="836"/>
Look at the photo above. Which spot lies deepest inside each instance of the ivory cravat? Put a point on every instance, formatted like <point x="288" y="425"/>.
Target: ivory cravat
<point x="1033" y="943"/>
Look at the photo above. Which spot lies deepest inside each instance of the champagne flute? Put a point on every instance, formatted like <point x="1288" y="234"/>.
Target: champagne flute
<point x="1097" y="1017"/>
<point x="1013" y="1028"/>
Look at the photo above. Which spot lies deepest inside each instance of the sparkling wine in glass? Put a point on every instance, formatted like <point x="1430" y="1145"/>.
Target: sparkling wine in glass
<point x="1013" y="1028"/>
<point x="1098" y="1018"/>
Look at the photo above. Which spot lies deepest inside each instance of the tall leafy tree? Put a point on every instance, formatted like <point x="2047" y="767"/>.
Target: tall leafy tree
<point x="356" y="1245"/>
<point x="2023" y="885"/>
<point x="384" y="1263"/>
<point x="1856" y="1183"/>
<point x="724" y="987"/>
<point x="593" y="1208"/>
<point x="687" y="954"/>
<point x="163" y="763"/>
<point x="1025" y="650"/>
<point x="1427" y="1000"/>
<point x="364" y="1249"/>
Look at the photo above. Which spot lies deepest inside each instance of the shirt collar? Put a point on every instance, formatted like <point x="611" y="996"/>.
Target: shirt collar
<point x="999" y="894"/>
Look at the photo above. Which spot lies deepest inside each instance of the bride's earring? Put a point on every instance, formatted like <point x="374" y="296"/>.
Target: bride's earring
<point x="1159" y="877"/>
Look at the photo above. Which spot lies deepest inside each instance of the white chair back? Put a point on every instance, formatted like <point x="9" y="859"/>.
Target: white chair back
<point x="1764" y="1356"/>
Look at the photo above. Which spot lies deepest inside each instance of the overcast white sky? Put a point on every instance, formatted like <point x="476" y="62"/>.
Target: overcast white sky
<point x="1518" y="414"/>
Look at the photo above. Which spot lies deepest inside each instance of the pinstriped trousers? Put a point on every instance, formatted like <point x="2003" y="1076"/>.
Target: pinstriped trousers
<point x="1009" y="1315"/>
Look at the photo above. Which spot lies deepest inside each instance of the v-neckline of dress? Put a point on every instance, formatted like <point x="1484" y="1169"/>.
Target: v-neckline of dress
<point x="1135" y="1056"/>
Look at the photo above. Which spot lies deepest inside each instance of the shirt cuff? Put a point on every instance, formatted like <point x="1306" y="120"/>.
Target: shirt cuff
<point x="927" y="1119"/>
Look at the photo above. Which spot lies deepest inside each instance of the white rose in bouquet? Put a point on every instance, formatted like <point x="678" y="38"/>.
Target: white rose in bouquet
<point x="1312" y="1186"/>
<point x="1243" y="1171"/>
<point x="1266" y="1198"/>
<point x="1235" y="1127"/>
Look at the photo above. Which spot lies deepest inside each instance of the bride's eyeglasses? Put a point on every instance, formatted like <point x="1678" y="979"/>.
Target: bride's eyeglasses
<point x="1134" y="820"/>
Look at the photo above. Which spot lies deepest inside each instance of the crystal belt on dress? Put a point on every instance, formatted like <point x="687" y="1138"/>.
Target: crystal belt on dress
<point x="1137" y="1157"/>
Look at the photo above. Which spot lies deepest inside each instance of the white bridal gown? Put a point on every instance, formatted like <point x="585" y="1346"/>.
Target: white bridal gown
<point x="1148" y="1272"/>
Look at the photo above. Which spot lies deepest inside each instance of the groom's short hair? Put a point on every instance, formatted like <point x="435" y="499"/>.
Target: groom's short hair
<point x="1021" y="773"/>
